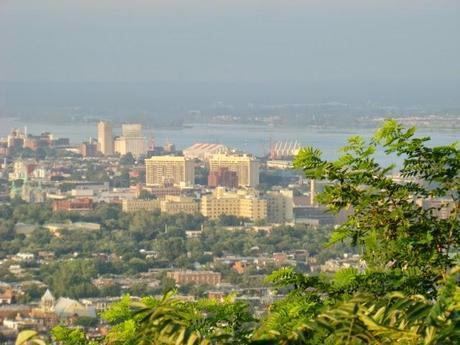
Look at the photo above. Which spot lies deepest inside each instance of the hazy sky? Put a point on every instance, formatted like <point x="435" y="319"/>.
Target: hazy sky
<point x="229" y="40"/>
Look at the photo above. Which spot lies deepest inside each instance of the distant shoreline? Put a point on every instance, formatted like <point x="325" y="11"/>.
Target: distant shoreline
<point x="188" y="125"/>
<point x="66" y="122"/>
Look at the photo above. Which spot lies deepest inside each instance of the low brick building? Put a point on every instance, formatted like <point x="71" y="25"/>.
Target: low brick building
<point x="73" y="205"/>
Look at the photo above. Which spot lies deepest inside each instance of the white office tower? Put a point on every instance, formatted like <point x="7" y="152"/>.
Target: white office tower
<point x="131" y="141"/>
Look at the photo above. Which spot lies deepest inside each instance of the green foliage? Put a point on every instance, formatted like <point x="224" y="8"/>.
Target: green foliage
<point x="127" y="159"/>
<point x="146" y="195"/>
<point x="86" y="321"/>
<point x="229" y="220"/>
<point x="70" y="336"/>
<point x="72" y="278"/>
<point x="386" y="221"/>
<point x="124" y="235"/>
<point x="286" y="317"/>
<point x="363" y="319"/>
<point x="171" y="320"/>
<point x="397" y="318"/>
<point x="345" y="278"/>
<point x="124" y="324"/>
<point x="31" y="292"/>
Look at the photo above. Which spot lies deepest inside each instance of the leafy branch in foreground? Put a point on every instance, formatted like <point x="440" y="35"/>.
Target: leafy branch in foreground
<point x="173" y="320"/>
<point x="387" y="219"/>
<point x="363" y="319"/>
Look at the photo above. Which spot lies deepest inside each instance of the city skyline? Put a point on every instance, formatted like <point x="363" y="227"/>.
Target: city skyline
<point x="229" y="172"/>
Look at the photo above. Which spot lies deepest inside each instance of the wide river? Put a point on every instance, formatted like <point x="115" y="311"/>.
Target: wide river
<point x="253" y="139"/>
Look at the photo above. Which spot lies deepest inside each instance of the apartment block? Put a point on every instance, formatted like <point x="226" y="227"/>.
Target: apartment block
<point x="173" y="170"/>
<point x="246" y="167"/>
<point x="243" y="203"/>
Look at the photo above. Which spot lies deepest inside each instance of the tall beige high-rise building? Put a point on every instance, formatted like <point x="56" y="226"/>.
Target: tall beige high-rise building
<point x="105" y="138"/>
<point x="176" y="170"/>
<point x="246" y="167"/>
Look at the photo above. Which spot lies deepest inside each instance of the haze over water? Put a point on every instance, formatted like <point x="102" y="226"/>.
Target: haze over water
<point x="253" y="139"/>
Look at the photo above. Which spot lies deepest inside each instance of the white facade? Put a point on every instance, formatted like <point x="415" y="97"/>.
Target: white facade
<point x="137" y="146"/>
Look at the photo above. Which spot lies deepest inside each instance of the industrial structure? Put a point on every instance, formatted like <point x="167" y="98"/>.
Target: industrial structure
<point x="284" y="149"/>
